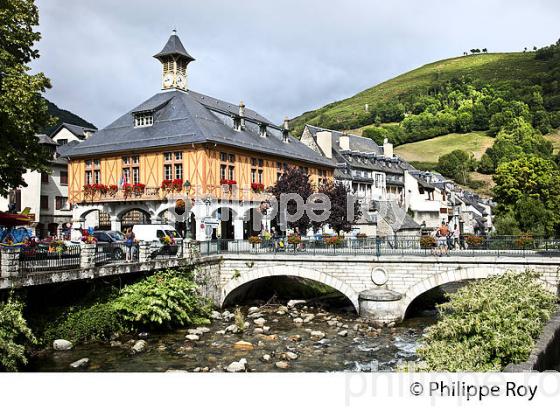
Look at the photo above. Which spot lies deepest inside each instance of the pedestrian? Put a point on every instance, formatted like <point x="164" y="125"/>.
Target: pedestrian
<point x="456" y="237"/>
<point x="443" y="233"/>
<point x="130" y="239"/>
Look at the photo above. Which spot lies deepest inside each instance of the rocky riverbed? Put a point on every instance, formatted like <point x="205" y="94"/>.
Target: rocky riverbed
<point x="281" y="338"/>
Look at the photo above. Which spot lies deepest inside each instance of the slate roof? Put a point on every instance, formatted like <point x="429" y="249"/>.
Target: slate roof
<point x="174" y="47"/>
<point x="357" y="143"/>
<point x="364" y="153"/>
<point x="186" y="117"/>
<point x="45" y="139"/>
<point x="77" y="130"/>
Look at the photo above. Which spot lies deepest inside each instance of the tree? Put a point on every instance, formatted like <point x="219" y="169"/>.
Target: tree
<point x="23" y="110"/>
<point x="517" y="138"/>
<point x="528" y="177"/>
<point x="456" y="165"/>
<point x="339" y="219"/>
<point x="293" y="181"/>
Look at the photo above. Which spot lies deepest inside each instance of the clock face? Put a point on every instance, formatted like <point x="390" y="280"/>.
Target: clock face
<point x="181" y="81"/>
<point x="168" y="80"/>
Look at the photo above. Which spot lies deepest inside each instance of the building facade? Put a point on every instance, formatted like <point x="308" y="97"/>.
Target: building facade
<point x="186" y="158"/>
<point x="46" y="195"/>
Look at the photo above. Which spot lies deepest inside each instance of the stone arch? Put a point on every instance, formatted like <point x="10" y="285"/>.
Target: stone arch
<point x="81" y="212"/>
<point x="455" y="275"/>
<point x="298" y="271"/>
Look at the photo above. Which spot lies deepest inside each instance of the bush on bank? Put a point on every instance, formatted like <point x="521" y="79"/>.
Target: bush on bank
<point x="488" y="324"/>
<point x="165" y="299"/>
<point x="14" y="335"/>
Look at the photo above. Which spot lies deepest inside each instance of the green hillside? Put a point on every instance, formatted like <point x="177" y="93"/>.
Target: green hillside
<point x="430" y="150"/>
<point x="65" y="116"/>
<point x="513" y="72"/>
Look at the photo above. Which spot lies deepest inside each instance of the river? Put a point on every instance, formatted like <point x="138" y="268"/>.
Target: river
<point x="340" y="342"/>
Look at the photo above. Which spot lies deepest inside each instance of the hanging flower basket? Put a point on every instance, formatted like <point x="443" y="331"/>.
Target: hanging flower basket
<point x="257" y="187"/>
<point x="112" y="190"/>
<point x="138" y="189"/>
<point x="127" y="190"/>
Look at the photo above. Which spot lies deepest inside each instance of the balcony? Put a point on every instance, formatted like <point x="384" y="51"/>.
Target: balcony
<point x="147" y="193"/>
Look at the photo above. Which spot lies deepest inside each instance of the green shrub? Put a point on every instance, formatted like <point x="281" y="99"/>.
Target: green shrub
<point x="488" y="324"/>
<point x="96" y="322"/>
<point x="166" y="298"/>
<point x="14" y="335"/>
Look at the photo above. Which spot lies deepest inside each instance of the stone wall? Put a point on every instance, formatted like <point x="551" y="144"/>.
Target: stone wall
<point x="546" y="352"/>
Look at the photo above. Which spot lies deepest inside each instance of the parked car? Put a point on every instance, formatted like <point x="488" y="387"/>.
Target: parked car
<point x="153" y="233"/>
<point x="116" y="240"/>
<point x="163" y="235"/>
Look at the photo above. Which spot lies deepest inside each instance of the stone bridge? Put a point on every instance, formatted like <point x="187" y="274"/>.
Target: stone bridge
<point x="379" y="287"/>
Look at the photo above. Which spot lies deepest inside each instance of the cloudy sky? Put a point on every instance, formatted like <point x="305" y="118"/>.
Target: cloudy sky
<point x="281" y="57"/>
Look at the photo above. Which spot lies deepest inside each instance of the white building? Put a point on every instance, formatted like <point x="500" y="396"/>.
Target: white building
<point x="46" y="194"/>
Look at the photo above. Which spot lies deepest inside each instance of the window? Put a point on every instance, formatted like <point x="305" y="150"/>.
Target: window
<point x="322" y="177"/>
<point x="143" y="120"/>
<point x="60" y="202"/>
<point x="178" y="171"/>
<point x="257" y="170"/>
<point x="227" y="167"/>
<point x="173" y="165"/>
<point x="93" y="172"/>
<point x="62" y="141"/>
<point x="63" y="177"/>
<point x="44" y="178"/>
<point x="167" y="171"/>
<point x="44" y="202"/>
<point x="131" y="170"/>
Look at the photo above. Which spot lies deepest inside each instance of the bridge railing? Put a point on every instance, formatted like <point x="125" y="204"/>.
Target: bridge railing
<point x="468" y="245"/>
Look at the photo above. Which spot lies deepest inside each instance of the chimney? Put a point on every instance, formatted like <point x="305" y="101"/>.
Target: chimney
<point x="324" y="141"/>
<point x="387" y="149"/>
<point x="286" y="130"/>
<point x="242" y="115"/>
<point x="344" y="142"/>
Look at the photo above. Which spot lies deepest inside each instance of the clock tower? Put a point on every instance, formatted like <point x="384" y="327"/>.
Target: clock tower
<point x="174" y="59"/>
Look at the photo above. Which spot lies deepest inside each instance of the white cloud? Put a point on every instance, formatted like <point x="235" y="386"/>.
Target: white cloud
<point x="281" y="57"/>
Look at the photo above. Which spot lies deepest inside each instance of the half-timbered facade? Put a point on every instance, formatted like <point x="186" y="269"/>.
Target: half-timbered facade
<point x="182" y="147"/>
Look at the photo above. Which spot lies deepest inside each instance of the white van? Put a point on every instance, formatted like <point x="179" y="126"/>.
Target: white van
<point x="153" y="233"/>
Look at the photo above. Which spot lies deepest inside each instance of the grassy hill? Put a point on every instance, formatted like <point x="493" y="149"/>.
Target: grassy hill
<point x="430" y="150"/>
<point x="502" y="70"/>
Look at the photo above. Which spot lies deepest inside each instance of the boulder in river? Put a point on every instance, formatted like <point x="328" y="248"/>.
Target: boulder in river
<point x="298" y="321"/>
<point x="192" y="338"/>
<point x="308" y="317"/>
<point x="343" y="333"/>
<point x="295" y="338"/>
<point x="139" y="346"/>
<point x="143" y="335"/>
<point x="317" y="334"/>
<point x="290" y="355"/>
<point x="266" y="329"/>
<point x="232" y="329"/>
<point x="258" y="330"/>
<point x="260" y="321"/>
<point x="62" y="344"/>
<point x="79" y="364"/>
<point x="282" y="364"/>
<point x="253" y="309"/>
<point x="236" y="367"/>
<point x="196" y="331"/>
<point x="215" y="315"/>
<point x="243" y="345"/>
<point x="294" y="302"/>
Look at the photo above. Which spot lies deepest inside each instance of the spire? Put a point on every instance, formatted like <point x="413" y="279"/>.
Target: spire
<point x="174" y="47"/>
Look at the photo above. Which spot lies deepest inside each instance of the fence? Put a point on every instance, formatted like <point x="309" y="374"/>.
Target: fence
<point x="396" y="245"/>
<point x="115" y="253"/>
<point x="41" y="259"/>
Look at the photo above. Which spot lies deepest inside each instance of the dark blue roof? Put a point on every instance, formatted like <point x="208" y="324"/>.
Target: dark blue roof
<point x="174" y="47"/>
<point x="186" y="117"/>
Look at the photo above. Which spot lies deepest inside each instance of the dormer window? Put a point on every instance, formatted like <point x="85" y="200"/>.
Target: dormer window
<point x="262" y="130"/>
<point x="143" y="120"/>
<point x="237" y="123"/>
